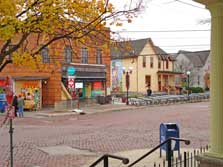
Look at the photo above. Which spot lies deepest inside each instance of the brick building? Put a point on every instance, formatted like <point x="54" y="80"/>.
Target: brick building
<point x="90" y="62"/>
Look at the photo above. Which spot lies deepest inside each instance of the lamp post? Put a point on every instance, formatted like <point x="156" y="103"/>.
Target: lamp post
<point x="188" y="82"/>
<point x="127" y="81"/>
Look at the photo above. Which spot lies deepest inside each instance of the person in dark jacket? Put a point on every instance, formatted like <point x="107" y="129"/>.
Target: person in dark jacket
<point x="149" y="91"/>
<point x="15" y="104"/>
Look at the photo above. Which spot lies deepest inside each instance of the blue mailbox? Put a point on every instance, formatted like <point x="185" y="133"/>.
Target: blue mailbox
<point x="168" y="130"/>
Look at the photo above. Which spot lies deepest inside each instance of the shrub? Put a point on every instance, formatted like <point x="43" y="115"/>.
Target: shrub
<point x="196" y="89"/>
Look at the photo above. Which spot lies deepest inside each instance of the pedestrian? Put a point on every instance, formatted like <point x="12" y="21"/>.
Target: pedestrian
<point x="21" y="106"/>
<point x="15" y="104"/>
<point x="149" y="91"/>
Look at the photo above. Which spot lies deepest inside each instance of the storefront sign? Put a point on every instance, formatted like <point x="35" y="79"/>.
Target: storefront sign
<point x="71" y="70"/>
<point x="79" y="85"/>
<point x="31" y="84"/>
<point x="97" y="85"/>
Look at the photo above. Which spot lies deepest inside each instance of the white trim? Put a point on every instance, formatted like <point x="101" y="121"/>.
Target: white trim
<point x="102" y="65"/>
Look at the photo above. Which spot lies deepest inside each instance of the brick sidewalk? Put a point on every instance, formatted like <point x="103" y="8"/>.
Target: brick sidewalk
<point x="107" y="132"/>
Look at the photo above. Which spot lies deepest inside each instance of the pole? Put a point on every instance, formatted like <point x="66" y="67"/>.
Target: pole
<point x="127" y="88"/>
<point x="188" y="84"/>
<point x="169" y="153"/>
<point x="127" y="102"/>
<point x="11" y="142"/>
<point x="106" y="161"/>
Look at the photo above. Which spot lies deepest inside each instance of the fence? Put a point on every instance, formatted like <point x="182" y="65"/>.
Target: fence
<point x="187" y="159"/>
<point x="169" y="99"/>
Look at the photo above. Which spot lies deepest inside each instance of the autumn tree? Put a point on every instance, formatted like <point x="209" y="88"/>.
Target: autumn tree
<point x="52" y="20"/>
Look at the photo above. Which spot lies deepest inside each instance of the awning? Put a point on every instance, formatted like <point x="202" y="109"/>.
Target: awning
<point x="90" y="79"/>
<point x="170" y="72"/>
<point x="87" y="72"/>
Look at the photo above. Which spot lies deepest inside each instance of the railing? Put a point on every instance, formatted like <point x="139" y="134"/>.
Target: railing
<point x="169" y="151"/>
<point x="187" y="159"/>
<point x="106" y="162"/>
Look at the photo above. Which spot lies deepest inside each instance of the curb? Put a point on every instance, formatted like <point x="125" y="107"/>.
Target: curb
<point x="56" y="114"/>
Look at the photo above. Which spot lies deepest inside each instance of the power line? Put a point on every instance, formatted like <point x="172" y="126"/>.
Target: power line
<point x="189" y="4"/>
<point x="185" y="45"/>
<point x="186" y="3"/>
<point x="160" y="31"/>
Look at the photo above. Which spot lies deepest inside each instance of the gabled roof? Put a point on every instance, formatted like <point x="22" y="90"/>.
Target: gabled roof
<point x="162" y="54"/>
<point x="133" y="48"/>
<point x="197" y="58"/>
<point x="128" y="48"/>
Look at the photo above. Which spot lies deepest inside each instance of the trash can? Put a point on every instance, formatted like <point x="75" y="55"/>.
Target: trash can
<point x="168" y="130"/>
<point x="3" y="102"/>
<point x="108" y="99"/>
<point x="101" y="99"/>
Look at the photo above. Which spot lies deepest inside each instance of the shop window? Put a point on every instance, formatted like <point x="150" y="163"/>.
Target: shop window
<point x="84" y="55"/>
<point x="45" y="55"/>
<point x="151" y="62"/>
<point x="98" y="56"/>
<point x="67" y="54"/>
<point x="144" y="61"/>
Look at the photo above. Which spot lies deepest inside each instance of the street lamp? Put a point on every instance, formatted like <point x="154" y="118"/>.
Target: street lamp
<point x="188" y="82"/>
<point x="127" y="81"/>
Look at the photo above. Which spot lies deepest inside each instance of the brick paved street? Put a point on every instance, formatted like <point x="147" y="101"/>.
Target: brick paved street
<point x="102" y="132"/>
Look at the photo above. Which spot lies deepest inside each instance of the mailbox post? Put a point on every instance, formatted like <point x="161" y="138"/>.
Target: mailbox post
<point x="168" y="130"/>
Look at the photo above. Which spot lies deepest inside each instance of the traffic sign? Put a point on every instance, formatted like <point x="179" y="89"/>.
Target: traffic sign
<point x="70" y="83"/>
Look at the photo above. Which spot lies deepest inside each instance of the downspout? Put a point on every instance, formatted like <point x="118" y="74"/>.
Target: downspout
<point x="137" y="75"/>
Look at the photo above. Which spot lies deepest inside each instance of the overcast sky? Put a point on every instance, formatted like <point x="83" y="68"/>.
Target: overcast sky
<point x="173" y="25"/>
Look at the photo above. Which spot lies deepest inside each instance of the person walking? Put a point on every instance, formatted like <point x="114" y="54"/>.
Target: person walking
<point x="15" y="105"/>
<point x="20" y="106"/>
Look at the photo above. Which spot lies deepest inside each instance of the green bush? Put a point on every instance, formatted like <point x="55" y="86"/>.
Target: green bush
<point x="196" y="89"/>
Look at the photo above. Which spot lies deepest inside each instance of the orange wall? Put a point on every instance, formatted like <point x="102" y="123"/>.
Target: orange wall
<point x="52" y="90"/>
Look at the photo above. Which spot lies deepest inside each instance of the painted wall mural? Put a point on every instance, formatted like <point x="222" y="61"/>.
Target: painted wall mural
<point x="116" y="75"/>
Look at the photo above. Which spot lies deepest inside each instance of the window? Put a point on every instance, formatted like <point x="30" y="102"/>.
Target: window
<point x="98" y="56"/>
<point x="148" y="80"/>
<point x="151" y="62"/>
<point x="9" y="57"/>
<point x="67" y="54"/>
<point x="45" y="55"/>
<point x="144" y="61"/>
<point x="198" y="80"/>
<point x="159" y="64"/>
<point x="181" y="68"/>
<point x="84" y="55"/>
<point x="167" y="64"/>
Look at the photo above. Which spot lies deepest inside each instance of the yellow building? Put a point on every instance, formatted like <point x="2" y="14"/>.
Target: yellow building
<point x="151" y="66"/>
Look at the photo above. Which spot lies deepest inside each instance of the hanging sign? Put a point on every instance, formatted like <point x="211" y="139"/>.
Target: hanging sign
<point x="71" y="70"/>
<point x="11" y="111"/>
<point x="9" y="89"/>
